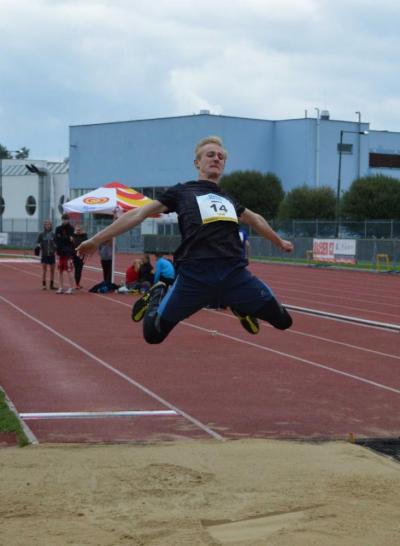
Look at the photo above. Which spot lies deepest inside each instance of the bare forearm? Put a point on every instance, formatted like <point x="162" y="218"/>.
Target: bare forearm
<point x="261" y="226"/>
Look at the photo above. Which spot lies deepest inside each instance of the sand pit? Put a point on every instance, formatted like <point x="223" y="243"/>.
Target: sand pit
<point x="238" y="493"/>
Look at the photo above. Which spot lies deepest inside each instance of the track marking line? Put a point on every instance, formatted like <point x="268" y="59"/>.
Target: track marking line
<point x="127" y="378"/>
<point x="293" y="357"/>
<point x="314" y="336"/>
<point x="95" y="414"/>
<point x="17" y="261"/>
<point x="262" y="347"/>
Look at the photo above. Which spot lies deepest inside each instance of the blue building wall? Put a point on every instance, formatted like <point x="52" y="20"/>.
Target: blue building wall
<point x="159" y="152"/>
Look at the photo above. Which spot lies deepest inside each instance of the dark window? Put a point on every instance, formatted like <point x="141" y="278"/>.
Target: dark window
<point x="2" y="205"/>
<point x="346" y="148"/>
<point x="30" y="205"/>
<point x="388" y="161"/>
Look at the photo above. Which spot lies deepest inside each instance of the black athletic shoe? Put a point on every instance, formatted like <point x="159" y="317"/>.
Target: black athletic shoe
<point x="149" y="300"/>
<point x="250" y="324"/>
<point x="139" y="307"/>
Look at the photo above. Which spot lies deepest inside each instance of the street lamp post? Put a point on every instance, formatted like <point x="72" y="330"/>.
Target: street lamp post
<point x="1" y="188"/>
<point x="339" y="177"/>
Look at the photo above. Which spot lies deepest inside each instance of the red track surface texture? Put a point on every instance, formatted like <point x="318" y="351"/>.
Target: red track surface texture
<point x="321" y="379"/>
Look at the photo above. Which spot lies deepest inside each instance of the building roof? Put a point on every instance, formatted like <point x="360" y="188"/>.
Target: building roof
<point x="20" y="169"/>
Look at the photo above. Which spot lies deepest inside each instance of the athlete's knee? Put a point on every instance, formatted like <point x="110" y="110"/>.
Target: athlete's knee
<point x="156" y="329"/>
<point x="274" y="313"/>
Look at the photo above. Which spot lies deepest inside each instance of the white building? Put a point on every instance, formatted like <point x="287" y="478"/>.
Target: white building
<point x="30" y="192"/>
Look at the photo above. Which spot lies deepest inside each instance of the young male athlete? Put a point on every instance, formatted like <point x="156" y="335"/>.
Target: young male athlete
<point x="211" y="268"/>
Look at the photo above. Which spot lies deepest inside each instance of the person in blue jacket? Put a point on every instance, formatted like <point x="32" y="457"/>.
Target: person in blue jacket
<point x="165" y="271"/>
<point x="211" y="268"/>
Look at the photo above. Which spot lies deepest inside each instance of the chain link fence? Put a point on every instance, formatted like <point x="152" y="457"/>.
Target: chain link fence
<point x="373" y="237"/>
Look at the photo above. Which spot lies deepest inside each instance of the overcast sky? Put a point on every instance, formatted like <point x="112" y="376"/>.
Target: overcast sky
<point x="69" y="62"/>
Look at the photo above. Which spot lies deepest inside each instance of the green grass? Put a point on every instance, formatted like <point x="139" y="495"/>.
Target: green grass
<point x="10" y="423"/>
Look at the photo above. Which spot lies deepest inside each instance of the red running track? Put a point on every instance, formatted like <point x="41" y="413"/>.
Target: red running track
<point x="210" y="379"/>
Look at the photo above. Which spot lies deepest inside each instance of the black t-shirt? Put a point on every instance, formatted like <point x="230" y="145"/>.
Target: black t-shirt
<point x="208" y="221"/>
<point x="63" y="238"/>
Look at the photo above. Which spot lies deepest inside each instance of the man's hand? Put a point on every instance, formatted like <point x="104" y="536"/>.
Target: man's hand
<point x="287" y="246"/>
<point x="87" y="248"/>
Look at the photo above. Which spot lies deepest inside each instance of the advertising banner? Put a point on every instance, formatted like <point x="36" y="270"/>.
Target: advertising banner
<point x="335" y="250"/>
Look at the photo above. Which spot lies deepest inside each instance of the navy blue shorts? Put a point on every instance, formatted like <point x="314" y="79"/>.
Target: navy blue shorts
<point x="215" y="283"/>
<point x="49" y="260"/>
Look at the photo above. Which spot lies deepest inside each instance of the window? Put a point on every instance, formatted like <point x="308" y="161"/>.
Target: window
<point x="388" y="161"/>
<point x="346" y="148"/>
<point x="30" y="205"/>
<point x="2" y="205"/>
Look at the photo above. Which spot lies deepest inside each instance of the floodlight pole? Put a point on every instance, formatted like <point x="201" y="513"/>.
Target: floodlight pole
<point x="337" y="214"/>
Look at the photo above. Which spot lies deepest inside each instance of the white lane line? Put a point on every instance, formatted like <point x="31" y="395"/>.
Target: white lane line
<point x="292" y="331"/>
<point x="18" y="261"/>
<point x="127" y="378"/>
<point x="95" y="414"/>
<point x="287" y="355"/>
<point x="293" y="357"/>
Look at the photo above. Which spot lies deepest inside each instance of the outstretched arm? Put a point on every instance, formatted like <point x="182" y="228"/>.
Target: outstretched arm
<point x="261" y="226"/>
<point x="127" y="221"/>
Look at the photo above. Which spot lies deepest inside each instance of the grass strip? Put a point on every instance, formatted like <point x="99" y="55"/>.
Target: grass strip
<point x="9" y="422"/>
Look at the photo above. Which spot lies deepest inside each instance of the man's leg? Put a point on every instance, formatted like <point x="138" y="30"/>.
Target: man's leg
<point x="250" y="298"/>
<point x="155" y="328"/>
<point x="165" y="308"/>
<point x="274" y="313"/>
<point x="44" y="275"/>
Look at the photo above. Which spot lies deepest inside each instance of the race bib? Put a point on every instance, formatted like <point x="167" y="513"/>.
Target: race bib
<point x="214" y="208"/>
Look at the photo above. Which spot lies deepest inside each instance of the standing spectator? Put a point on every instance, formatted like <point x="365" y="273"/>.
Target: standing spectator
<point x="106" y="256"/>
<point x="165" y="271"/>
<point x="65" y="251"/>
<point x="46" y="246"/>
<point x="78" y="237"/>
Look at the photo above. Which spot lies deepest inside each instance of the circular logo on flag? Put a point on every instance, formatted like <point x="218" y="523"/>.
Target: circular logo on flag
<point x="96" y="200"/>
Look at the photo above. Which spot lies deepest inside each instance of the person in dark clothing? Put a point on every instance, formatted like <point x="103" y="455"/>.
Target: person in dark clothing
<point x="65" y="251"/>
<point x="211" y="268"/>
<point x="106" y="255"/>
<point x="47" y="248"/>
<point x="78" y="237"/>
<point x="146" y="270"/>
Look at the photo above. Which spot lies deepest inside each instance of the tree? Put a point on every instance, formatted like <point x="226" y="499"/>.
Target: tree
<point x="375" y="197"/>
<point x="261" y="193"/>
<point x="22" y="153"/>
<point x="4" y="153"/>
<point x="306" y="203"/>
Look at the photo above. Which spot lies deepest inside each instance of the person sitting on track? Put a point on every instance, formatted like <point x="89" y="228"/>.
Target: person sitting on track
<point x="211" y="269"/>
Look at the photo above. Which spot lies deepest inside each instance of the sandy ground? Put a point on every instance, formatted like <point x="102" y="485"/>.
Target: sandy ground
<point x="241" y="493"/>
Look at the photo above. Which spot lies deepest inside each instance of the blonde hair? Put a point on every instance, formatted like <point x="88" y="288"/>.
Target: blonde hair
<point x="209" y="140"/>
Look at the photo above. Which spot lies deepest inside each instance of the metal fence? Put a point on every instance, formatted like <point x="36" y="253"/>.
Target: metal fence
<point x="324" y="229"/>
<point x="373" y="237"/>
